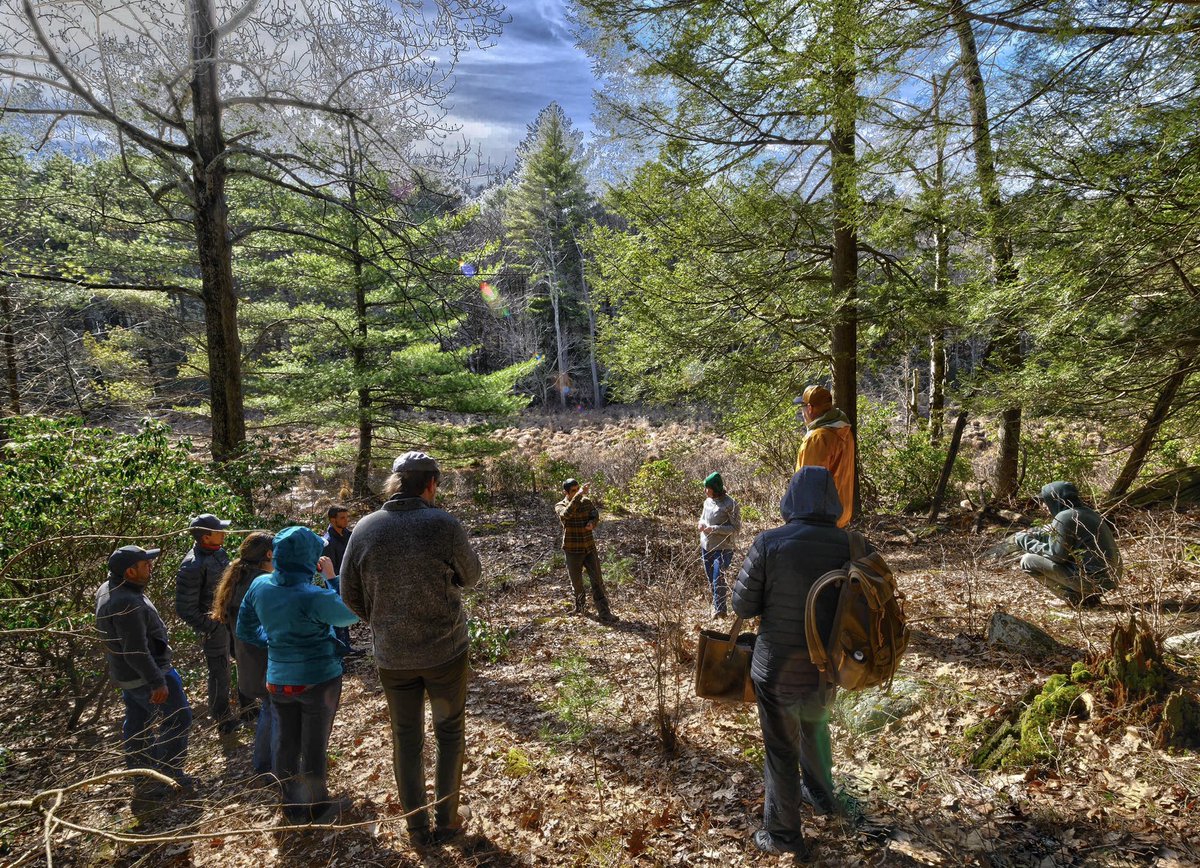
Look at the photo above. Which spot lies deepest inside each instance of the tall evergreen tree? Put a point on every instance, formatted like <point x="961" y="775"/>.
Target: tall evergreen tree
<point x="546" y="214"/>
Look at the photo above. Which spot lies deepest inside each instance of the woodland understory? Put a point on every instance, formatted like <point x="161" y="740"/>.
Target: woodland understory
<point x="587" y="746"/>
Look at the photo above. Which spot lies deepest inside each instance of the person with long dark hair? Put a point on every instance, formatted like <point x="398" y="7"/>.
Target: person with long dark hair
<point x="254" y="558"/>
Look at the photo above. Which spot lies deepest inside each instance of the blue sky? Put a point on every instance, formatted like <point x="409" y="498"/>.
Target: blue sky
<point x="499" y="92"/>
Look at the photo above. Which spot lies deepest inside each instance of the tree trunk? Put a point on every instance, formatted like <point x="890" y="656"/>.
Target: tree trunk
<point x="361" y="486"/>
<point x="1158" y="414"/>
<point x="948" y="467"/>
<point x="9" y="338"/>
<point x="937" y="386"/>
<point x="213" y="242"/>
<point x="844" y="182"/>
<point x="1007" y="350"/>
<point x="597" y="396"/>
<point x="941" y="273"/>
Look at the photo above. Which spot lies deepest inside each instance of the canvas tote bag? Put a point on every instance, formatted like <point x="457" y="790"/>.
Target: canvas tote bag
<point x="723" y="665"/>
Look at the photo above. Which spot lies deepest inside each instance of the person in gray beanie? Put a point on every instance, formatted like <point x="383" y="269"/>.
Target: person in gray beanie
<point x="404" y="572"/>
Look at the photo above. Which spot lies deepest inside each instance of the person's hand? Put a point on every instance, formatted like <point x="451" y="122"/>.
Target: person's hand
<point x="159" y="695"/>
<point x="583" y="489"/>
<point x="325" y="567"/>
<point x="590" y="525"/>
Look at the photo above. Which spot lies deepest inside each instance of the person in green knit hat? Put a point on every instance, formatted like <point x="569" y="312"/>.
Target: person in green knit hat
<point x="720" y="520"/>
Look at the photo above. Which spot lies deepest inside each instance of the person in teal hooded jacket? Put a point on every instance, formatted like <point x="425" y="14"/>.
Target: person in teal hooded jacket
<point x="1076" y="555"/>
<point x="294" y="619"/>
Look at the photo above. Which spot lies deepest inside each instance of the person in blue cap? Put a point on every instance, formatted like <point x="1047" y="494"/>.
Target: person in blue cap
<point x="195" y="584"/>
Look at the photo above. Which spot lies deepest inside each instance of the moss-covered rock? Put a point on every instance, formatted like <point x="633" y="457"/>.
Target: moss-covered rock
<point x="1180" y="725"/>
<point x="1025" y="735"/>
<point x="1080" y="673"/>
<point x="866" y="711"/>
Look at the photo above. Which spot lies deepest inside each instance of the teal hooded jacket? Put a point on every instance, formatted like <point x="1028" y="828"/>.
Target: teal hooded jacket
<point x="291" y="616"/>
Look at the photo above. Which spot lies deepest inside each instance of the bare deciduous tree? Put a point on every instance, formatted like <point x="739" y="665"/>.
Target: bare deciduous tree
<point x="210" y="90"/>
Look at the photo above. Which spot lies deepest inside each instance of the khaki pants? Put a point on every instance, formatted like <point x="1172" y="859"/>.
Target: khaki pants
<point x="576" y="562"/>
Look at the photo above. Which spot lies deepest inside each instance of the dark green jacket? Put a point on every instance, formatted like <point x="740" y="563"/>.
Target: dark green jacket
<point x="1078" y="537"/>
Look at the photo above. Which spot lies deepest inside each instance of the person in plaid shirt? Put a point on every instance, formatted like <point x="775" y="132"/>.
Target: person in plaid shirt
<point x="579" y="518"/>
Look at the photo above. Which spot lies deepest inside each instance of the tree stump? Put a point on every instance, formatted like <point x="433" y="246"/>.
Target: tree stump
<point x="1135" y="672"/>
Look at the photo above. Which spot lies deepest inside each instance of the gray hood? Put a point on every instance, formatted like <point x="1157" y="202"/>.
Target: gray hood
<point x="1061" y="495"/>
<point x="811" y="496"/>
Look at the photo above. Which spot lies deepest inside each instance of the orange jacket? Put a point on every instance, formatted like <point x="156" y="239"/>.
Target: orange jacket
<point x="832" y="446"/>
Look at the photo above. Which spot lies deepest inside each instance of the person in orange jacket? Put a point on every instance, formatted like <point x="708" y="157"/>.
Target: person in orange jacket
<point x="829" y="443"/>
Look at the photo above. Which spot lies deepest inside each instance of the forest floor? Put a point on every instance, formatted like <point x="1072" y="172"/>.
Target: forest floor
<point x="569" y="726"/>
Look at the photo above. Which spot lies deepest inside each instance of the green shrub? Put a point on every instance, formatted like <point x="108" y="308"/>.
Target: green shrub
<point x="900" y="470"/>
<point x="488" y="642"/>
<point x="1051" y="454"/>
<point x="617" y="571"/>
<point x="579" y="697"/>
<point x="660" y="486"/>
<point x="70" y="495"/>
<point x="550" y="473"/>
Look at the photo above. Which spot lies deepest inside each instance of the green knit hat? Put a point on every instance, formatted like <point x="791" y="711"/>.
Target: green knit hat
<point x="715" y="482"/>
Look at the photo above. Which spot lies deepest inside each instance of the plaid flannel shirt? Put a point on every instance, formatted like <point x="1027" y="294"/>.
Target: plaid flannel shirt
<point x="575" y="513"/>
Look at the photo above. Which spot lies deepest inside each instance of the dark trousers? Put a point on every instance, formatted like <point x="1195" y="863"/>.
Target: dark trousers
<point x="303" y="723"/>
<point x="576" y="563"/>
<point x="716" y="562"/>
<point x="406" y="689"/>
<point x="156" y="735"/>
<point x="218" y="685"/>
<point x="796" y="739"/>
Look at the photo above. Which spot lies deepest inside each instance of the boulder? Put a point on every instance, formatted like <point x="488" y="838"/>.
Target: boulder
<point x="1185" y="644"/>
<point x="865" y="711"/>
<point x="1012" y="634"/>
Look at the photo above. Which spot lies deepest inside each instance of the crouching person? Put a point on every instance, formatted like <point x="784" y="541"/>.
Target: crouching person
<point x="157" y="713"/>
<point x="1076" y="555"/>
<point x="793" y="701"/>
<point x="294" y="619"/>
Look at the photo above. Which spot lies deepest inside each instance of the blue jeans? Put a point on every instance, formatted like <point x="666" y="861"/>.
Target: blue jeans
<point x="716" y="562"/>
<point x="156" y="735"/>
<point x="266" y="737"/>
<point x="304" y="723"/>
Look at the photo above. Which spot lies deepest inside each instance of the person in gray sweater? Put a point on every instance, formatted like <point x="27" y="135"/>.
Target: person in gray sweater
<point x="720" y="521"/>
<point x="404" y="572"/>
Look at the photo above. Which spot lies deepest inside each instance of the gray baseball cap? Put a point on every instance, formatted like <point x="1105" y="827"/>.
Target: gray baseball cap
<point x="415" y="461"/>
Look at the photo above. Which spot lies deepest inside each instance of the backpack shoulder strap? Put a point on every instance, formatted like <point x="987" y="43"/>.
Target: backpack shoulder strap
<point x="858" y="545"/>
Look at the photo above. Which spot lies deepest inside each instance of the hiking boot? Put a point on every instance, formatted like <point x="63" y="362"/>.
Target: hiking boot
<point x="820" y="805"/>
<point x="329" y="812"/>
<point x="184" y="783"/>
<point x="228" y="726"/>
<point x="767" y="844"/>
<point x="446" y="834"/>
<point x="608" y="617"/>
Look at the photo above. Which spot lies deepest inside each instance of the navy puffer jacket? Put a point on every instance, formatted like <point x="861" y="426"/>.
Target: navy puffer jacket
<point x="780" y="569"/>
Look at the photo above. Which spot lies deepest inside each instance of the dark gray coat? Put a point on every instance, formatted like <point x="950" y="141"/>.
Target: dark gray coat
<point x="195" y="584"/>
<point x="780" y="569"/>
<point x="403" y="573"/>
<point x="135" y="638"/>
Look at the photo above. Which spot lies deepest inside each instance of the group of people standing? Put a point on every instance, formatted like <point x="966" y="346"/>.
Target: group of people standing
<point x="403" y="571"/>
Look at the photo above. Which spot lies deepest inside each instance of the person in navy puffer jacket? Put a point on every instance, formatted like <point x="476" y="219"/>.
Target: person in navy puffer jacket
<point x="294" y="619"/>
<point x="793" y="702"/>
